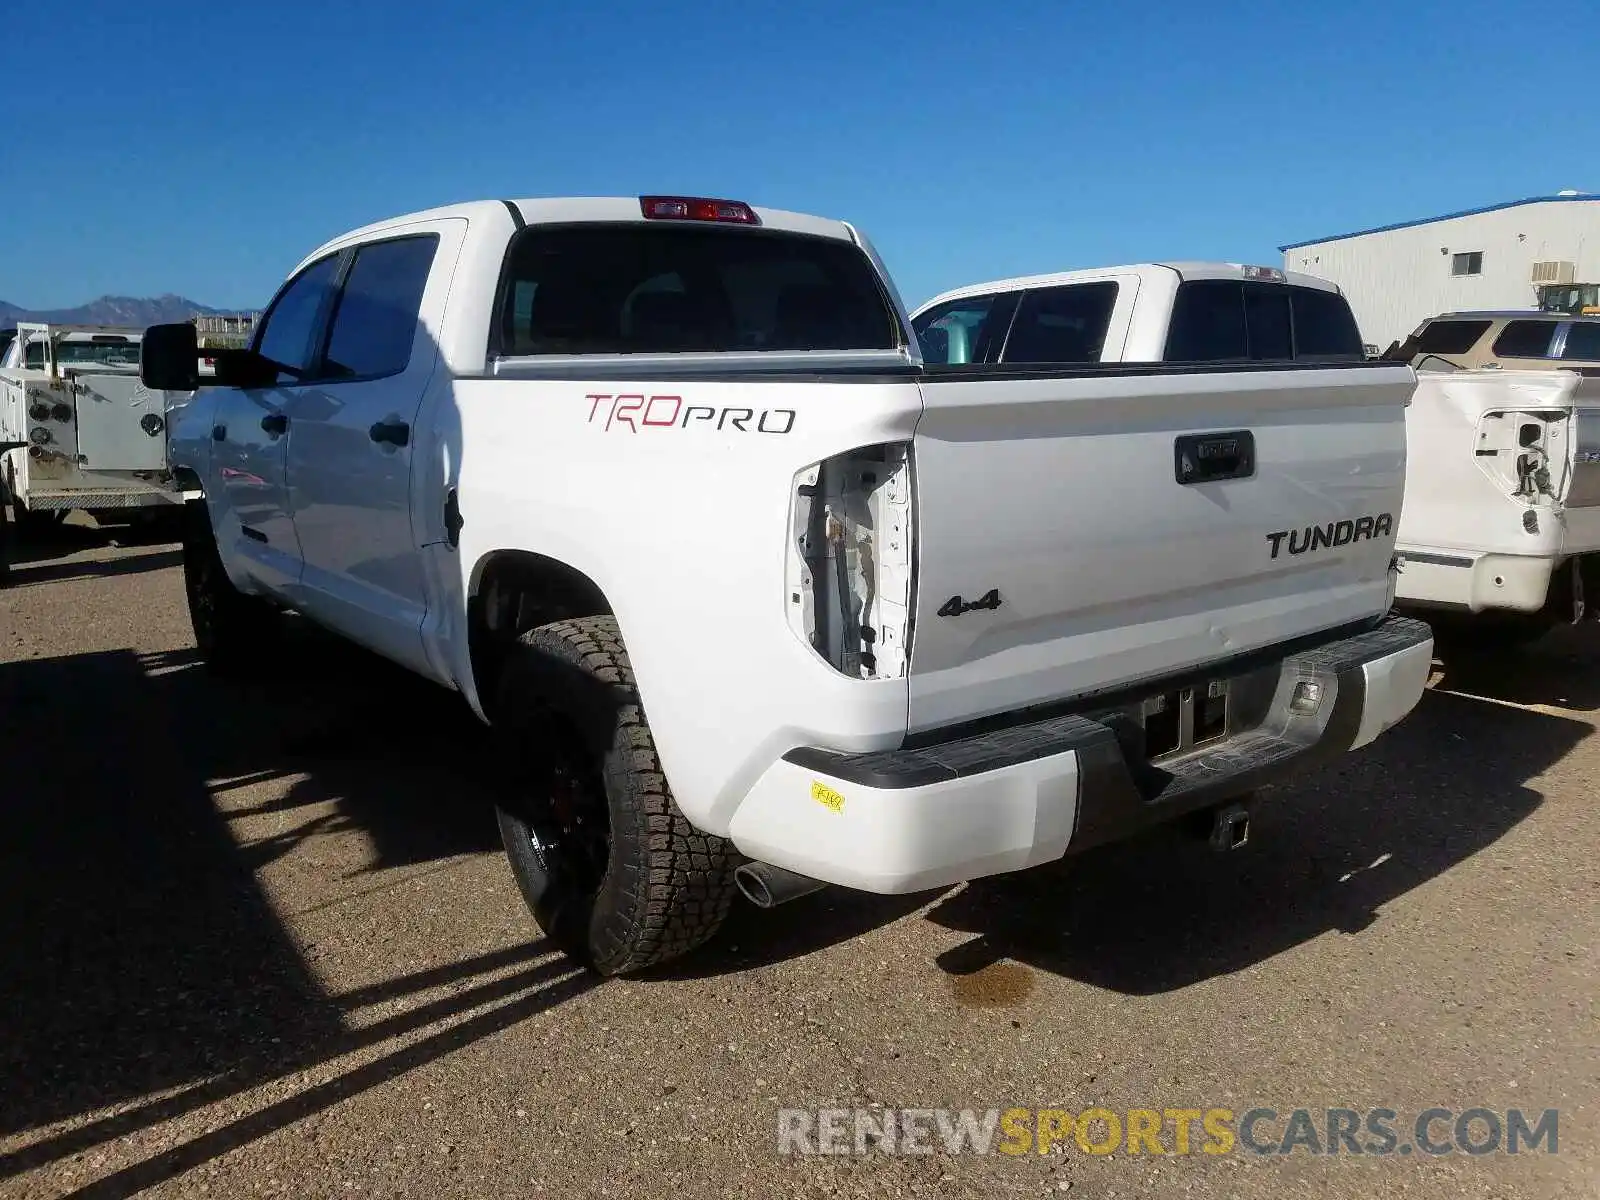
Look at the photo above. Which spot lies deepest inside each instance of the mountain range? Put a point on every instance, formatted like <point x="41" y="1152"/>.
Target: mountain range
<point x="112" y="310"/>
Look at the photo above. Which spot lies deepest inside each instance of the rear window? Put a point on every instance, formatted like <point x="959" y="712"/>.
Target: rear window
<point x="1524" y="339"/>
<point x="1449" y="337"/>
<point x="642" y="289"/>
<point x="1062" y="324"/>
<point x="1324" y="326"/>
<point x="1220" y="319"/>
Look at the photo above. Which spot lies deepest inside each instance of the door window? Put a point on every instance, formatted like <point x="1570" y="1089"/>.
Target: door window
<point x="1449" y="337"/>
<point x="1062" y="324"/>
<point x="291" y="330"/>
<point x="960" y="331"/>
<point x="1524" y="339"/>
<point x="375" y="318"/>
<point x="1583" y="341"/>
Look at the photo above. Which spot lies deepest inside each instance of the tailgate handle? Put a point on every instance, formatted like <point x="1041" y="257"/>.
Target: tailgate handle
<point x="1208" y="457"/>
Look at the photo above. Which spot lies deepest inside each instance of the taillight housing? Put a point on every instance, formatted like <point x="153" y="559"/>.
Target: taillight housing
<point x="850" y="581"/>
<point x="697" y="208"/>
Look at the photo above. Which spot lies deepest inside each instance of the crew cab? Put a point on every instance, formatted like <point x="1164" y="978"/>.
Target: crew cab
<point x="1143" y="313"/>
<point x="757" y="598"/>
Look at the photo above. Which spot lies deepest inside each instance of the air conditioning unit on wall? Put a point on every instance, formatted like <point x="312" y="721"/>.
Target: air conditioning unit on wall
<point x="1553" y="272"/>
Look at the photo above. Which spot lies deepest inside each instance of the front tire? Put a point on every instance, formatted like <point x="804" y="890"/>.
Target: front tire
<point x="233" y="631"/>
<point x="610" y="868"/>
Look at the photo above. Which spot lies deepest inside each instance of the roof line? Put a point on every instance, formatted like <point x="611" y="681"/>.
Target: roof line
<point x="1466" y="212"/>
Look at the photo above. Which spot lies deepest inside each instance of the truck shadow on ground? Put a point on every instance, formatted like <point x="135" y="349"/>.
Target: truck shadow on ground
<point x="1560" y="669"/>
<point x="1327" y="852"/>
<point x="143" y="967"/>
<point x="53" y="553"/>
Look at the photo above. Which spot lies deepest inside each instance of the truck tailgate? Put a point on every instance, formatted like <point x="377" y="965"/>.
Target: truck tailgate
<point x="1060" y="555"/>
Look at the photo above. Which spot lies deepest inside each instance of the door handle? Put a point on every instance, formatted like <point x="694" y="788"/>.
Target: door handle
<point x="395" y="433"/>
<point x="1209" y="457"/>
<point x="275" y="423"/>
<point x="452" y="518"/>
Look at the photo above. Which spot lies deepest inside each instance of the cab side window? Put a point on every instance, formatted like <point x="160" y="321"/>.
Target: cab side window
<point x="1524" y="339"/>
<point x="291" y="331"/>
<point x="375" y="317"/>
<point x="1064" y="324"/>
<point x="1583" y="341"/>
<point x="962" y="331"/>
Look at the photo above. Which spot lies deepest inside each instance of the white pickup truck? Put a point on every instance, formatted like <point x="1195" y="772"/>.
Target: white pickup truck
<point x="1500" y="538"/>
<point x="757" y="599"/>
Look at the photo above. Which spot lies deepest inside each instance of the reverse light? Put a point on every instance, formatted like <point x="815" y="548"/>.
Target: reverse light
<point x="1307" y="697"/>
<point x="850" y="573"/>
<point x="697" y="208"/>
<point x="1271" y="274"/>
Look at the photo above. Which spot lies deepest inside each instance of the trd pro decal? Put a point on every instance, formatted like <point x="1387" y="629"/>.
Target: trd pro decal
<point x="636" y="412"/>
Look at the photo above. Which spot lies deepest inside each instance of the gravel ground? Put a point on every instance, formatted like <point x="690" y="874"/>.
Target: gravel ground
<point x="261" y="941"/>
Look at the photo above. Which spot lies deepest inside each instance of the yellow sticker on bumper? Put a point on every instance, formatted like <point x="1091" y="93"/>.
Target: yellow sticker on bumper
<point x="826" y="796"/>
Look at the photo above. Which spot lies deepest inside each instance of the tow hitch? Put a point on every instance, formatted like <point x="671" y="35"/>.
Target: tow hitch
<point x="1230" y="827"/>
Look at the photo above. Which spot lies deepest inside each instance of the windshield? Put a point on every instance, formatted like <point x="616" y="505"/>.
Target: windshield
<point x="121" y="353"/>
<point x="1569" y="298"/>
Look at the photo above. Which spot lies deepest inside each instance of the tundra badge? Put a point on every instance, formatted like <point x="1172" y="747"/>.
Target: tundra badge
<point x="1334" y="533"/>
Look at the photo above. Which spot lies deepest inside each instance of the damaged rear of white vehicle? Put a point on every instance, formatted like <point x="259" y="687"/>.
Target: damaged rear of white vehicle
<point x="663" y="487"/>
<point x="1502" y="520"/>
<point x="1138" y="590"/>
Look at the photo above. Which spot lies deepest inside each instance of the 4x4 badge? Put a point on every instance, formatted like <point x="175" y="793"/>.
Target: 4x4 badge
<point x="955" y="606"/>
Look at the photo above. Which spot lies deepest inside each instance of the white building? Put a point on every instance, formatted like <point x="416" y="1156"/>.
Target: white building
<point x="1396" y="276"/>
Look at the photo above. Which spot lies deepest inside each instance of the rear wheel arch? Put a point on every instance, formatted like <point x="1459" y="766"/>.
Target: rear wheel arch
<point x="513" y="591"/>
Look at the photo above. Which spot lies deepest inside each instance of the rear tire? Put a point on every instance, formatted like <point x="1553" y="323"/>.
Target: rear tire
<point x="610" y="868"/>
<point x="233" y="631"/>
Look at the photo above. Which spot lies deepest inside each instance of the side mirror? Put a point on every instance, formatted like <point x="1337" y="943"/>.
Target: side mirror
<point x="169" y="358"/>
<point x="241" y="368"/>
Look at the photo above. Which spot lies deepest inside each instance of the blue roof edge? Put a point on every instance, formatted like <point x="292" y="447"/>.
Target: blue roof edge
<point x="1466" y="212"/>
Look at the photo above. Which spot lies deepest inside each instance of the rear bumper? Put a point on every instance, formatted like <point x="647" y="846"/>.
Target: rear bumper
<point x="1028" y="793"/>
<point x="1470" y="582"/>
<point x="1463" y="581"/>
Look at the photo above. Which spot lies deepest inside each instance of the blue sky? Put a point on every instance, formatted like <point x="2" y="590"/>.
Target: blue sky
<point x="202" y="149"/>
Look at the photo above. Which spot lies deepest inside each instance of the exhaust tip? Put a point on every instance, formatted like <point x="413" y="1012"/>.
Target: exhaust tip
<point x="767" y="886"/>
<point x="752" y="887"/>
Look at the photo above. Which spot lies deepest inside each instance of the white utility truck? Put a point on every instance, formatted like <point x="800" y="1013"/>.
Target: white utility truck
<point x="84" y="431"/>
<point x="755" y="597"/>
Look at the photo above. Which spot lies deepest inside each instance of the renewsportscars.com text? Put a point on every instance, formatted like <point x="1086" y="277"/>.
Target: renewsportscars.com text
<point x="1261" y="1131"/>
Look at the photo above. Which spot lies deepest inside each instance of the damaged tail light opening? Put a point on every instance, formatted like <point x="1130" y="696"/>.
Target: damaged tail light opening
<point x="850" y="578"/>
